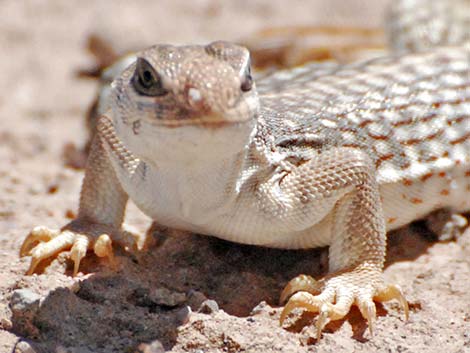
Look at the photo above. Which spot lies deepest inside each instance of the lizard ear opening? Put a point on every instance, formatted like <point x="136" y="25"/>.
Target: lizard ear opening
<point x="146" y="81"/>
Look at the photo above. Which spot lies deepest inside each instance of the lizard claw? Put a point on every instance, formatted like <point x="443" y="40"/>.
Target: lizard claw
<point x="42" y="243"/>
<point x="37" y="235"/>
<point x="299" y="283"/>
<point x="337" y="296"/>
<point x="78" y="251"/>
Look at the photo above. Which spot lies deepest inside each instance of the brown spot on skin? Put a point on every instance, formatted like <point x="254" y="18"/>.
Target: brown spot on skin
<point x="412" y="141"/>
<point x="460" y="139"/>
<point x="378" y="137"/>
<point x="351" y="145"/>
<point x="426" y="176"/>
<point x="416" y="141"/>
<point x="468" y="187"/>
<point x="365" y="123"/>
<point x="402" y="122"/>
<point x="382" y="159"/>
<point x="431" y="159"/>
<point x="442" y="174"/>
<point x="456" y="120"/>
<point x="70" y="214"/>
<point x="406" y="165"/>
<point x="445" y="192"/>
<point x="407" y="182"/>
<point x="391" y="220"/>
<point x="467" y="173"/>
<point x="416" y="201"/>
<point x="428" y="117"/>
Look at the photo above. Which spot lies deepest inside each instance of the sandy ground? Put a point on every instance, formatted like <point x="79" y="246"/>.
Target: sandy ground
<point x="189" y="293"/>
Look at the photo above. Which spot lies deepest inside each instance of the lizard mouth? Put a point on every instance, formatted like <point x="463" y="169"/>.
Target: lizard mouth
<point x="207" y="120"/>
<point x="243" y="112"/>
<point x="206" y="123"/>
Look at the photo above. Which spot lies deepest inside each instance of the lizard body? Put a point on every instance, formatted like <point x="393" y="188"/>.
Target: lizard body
<point x="401" y="127"/>
<point x="300" y="159"/>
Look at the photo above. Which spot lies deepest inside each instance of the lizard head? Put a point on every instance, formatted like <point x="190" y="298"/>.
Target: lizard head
<point x="185" y="102"/>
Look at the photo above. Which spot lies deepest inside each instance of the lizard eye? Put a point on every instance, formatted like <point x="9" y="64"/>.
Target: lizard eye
<point x="146" y="80"/>
<point x="247" y="80"/>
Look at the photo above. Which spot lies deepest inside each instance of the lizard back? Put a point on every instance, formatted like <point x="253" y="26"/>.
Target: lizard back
<point x="411" y="113"/>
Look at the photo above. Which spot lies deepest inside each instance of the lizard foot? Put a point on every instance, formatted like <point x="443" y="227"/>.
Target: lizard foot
<point x="333" y="297"/>
<point x="446" y="224"/>
<point x="42" y="243"/>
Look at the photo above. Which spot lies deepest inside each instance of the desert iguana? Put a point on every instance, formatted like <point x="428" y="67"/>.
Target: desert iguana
<point x="304" y="158"/>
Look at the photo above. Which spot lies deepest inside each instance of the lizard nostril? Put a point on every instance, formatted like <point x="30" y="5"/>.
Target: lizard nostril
<point x="194" y="97"/>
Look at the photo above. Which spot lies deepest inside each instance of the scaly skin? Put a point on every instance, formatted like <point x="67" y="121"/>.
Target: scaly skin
<point x="311" y="158"/>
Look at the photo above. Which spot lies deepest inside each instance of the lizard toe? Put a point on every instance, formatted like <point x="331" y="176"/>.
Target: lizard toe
<point x="44" y="243"/>
<point x="103" y="247"/>
<point x="300" y="283"/>
<point x="391" y="292"/>
<point x="38" y="235"/>
<point x="78" y="251"/>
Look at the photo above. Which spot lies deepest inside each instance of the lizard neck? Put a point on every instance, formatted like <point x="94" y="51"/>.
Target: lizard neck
<point x="194" y="194"/>
<point x="191" y="147"/>
<point x="192" y="188"/>
<point x="216" y="165"/>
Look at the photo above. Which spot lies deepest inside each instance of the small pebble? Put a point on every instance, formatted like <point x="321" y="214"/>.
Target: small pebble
<point x="153" y="347"/>
<point x="209" y="306"/>
<point x="23" y="347"/>
<point x="183" y="315"/>
<point x="260" y="308"/>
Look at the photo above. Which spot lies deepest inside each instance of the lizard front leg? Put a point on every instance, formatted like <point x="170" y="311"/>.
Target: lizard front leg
<point x="341" y="183"/>
<point x="101" y="212"/>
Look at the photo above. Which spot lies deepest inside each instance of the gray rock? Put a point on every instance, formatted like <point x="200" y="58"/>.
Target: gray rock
<point x="164" y="296"/>
<point x="195" y="299"/>
<point x="183" y="315"/>
<point x="24" y="300"/>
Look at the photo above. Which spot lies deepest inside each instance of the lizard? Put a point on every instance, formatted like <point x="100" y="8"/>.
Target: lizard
<point x="301" y="158"/>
